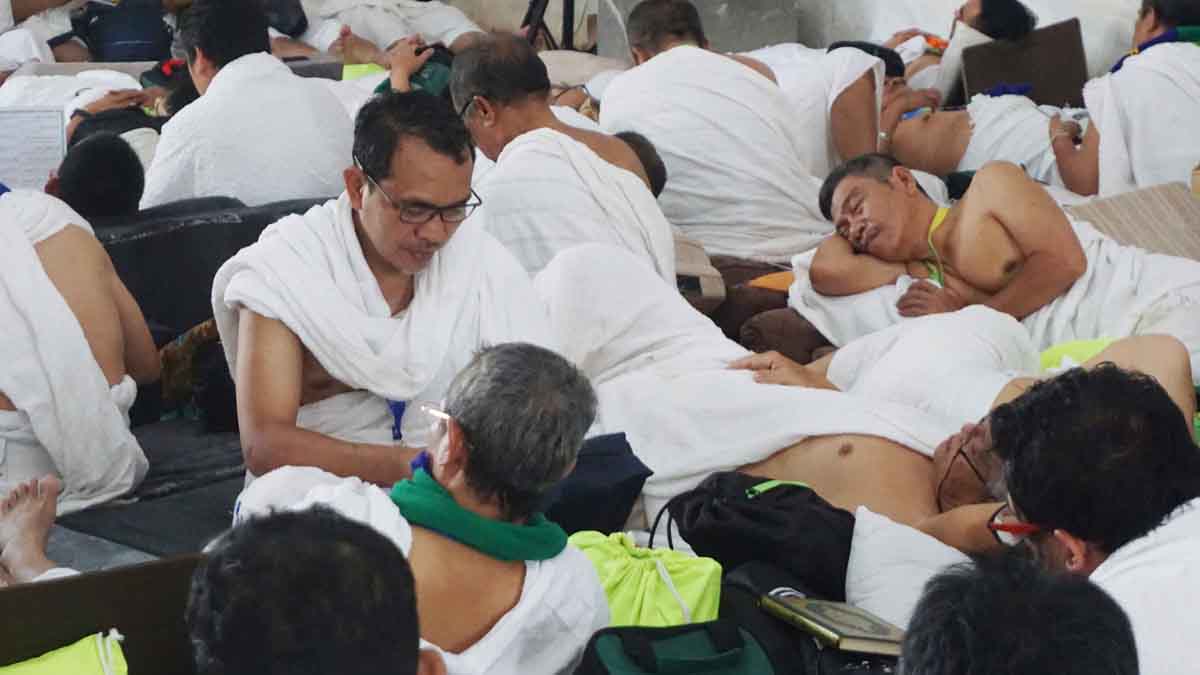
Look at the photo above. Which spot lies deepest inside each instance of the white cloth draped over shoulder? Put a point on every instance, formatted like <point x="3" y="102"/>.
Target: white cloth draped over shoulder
<point x="66" y="408"/>
<point x="309" y="272"/>
<point x="549" y="192"/>
<point x="812" y="80"/>
<point x="1154" y="580"/>
<point x="1014" y="129"/>
<point x="738" y="182"/>
<point x="484" y="166"/>
<point x="562" y="602"/>
<point x="1148" y="116"/>
<point x="1125" y="291"/>
<point x="260" y="134"/>
<point x="661" y="373"/>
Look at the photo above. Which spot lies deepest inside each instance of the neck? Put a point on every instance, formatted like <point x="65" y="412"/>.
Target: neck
<point x="397" y="286"/>
<point x="531" y="117"/>
<point x="484" y="509"/>
<point x="923" y="213"/>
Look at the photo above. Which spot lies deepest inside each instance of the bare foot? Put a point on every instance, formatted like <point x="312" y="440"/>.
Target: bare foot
<point x="354" y="49"/>
<point x="26" y="515"/>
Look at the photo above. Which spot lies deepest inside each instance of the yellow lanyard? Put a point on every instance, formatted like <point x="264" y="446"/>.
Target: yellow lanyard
<point x="939" y="275"/>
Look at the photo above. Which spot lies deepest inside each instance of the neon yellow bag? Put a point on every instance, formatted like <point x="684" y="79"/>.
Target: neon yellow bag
<point x="1070" y="354"/>
<point x="97" y="654"/>
<point x="652" y="587"/>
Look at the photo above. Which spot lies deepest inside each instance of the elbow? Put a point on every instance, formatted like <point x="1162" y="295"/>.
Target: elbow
<point x="1073" y="267"/>
<point x="825" y="277"/>
<point x="147" y="370"/>
<point x="261" y="451"/>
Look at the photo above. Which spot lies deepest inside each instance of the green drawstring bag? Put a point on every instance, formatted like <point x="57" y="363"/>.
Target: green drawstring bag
<point x="652" y="587"/>
<point x="97" y="654"/>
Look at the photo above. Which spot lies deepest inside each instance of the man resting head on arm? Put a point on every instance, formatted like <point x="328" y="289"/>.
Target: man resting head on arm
<point x="1006" y="244"/>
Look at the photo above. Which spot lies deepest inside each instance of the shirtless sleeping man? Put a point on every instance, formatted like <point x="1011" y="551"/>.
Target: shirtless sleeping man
<point x="1006" y="245"/>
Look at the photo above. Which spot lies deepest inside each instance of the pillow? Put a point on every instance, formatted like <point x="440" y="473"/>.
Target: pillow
<point x="890" y="565"/>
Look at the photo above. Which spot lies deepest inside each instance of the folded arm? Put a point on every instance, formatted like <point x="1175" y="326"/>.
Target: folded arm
<point x="269" y="387"/>
<point x="854" y="119"/>
<point x="837" y="270"/>
<point x="1079" y="166"/>
<point x="142" y="362"/>
<point x="1053" y="257"/>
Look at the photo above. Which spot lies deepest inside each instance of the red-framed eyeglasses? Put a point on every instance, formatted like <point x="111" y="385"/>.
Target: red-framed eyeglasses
<point x="1010" y="531"/>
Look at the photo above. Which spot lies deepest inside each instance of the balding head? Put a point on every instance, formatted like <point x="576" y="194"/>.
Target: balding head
<point x="504" y="69"/>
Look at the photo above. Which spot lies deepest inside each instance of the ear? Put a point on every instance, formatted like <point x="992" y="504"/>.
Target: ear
<point x="1080" y="557"/>
<point x="430" y="662"/>
<point x="355" y="182"/>
<point x="488" y="112"/>
<point x="450" y="460"/>
<point x="640" y="55"/>
<point x="903" y="179"/>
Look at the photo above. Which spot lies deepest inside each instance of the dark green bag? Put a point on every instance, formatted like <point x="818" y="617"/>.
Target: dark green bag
<point x="714" y="648"/>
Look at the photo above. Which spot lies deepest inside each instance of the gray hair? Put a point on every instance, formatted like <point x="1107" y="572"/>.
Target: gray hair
<point x="524" y="411"/>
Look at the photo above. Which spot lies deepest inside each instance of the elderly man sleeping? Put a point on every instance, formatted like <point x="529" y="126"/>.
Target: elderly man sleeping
<point x="76" y="346"/>
<point x="337" y="319"/>
<point x="554" y="185"/>
<point x="1006" y="244"/>
<point x="499" y="590"/>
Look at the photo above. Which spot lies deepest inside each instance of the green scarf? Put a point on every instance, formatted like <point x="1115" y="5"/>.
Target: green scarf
<point x="426" y="503"/>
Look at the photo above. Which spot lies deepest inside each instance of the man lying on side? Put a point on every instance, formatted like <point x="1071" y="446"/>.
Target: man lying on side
<point x="336" y="319"/>
<point x="731" y="142"/>
<point x="499" y="590"/>
<point x="663" y="376"/>
<point x="1145" y="115"/>
<point x="76" y="346"/>
<point x="1005" y="245"/>
<point x="554" y="185"/>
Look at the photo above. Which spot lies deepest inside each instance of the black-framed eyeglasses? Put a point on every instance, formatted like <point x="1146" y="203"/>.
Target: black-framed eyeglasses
<point x="961" y="452"/>
<point x="417" y="213"/>
<point x="466" y="106"/>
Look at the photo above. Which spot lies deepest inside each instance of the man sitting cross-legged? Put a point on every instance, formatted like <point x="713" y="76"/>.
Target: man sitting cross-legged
<point x="1005" y="245"/>
<point x="336" y="319"/>
<point x="76" y="346"/>
<point x="499" y="590"/>
<point x="554" y="185"/>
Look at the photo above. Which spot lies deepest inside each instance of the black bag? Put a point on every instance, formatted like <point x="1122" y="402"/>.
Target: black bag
<point x="600" y="493"/>
<point x="131" y="31"/>
<point x="286" y="16"/>
<point x="793" y="651"/>
<point x="714" y="648"/>
<point x="735" y="519"/>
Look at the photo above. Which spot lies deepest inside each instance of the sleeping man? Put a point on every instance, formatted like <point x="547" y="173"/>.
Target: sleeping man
<point x="876" y="425"/>
<point x="335" y="320"/>
<point x="1005" y="245"/>
<point x="554" y="185"/>
<point x="76" y="346"/>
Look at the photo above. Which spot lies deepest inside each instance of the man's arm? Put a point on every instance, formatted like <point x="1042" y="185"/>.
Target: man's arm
<point x="269" y="385"/>
<point x="142" y="362"/>
<point x="855" y="124"/>
<point x="837" y="270"/>
<point x="1080" y="167"/>
<point x="965" y="528"/>
<point x="1054" y="258"/>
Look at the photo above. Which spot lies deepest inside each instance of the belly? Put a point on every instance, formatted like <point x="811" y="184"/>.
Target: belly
<point x="933" y="143"/>
<point x="851" y="471"/>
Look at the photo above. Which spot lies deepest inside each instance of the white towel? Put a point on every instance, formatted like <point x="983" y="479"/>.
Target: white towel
<point x="1154" y="580"/>
<point x="1148" y="116"/>
<point x="1014" y="129"/>
<point x="949" y="365"/>
<point x="310" y="273"/>
<point x="661" y="373"/>
<point x="50" y="374"/>
<point x="733" y="148"/>
<point x="1125" y="291"/>
<point x="550" y="192"/>
<point x="812" y="80"/>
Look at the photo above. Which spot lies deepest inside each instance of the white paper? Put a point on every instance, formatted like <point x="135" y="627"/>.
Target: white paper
<point x="32" y="144"/>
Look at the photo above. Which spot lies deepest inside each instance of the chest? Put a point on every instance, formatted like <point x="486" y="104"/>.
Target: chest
<point x="981" y="252"/>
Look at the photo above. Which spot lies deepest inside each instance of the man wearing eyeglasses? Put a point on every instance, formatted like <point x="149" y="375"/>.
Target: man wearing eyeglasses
<point x="335" y="320"/>
<point x="554" y="186"/>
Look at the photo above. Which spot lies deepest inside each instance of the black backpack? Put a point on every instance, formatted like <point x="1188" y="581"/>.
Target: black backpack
<point x="131" y="31"/>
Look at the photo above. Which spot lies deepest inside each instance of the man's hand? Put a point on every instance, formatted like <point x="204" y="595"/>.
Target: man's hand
<point x="925" y="298"/>
<point x="774" y="368"/>
<point x="120" y="99"/>
<point x="406" y="62"/>
<point x="903" y="36"/>
<point x="1060" y="128"/>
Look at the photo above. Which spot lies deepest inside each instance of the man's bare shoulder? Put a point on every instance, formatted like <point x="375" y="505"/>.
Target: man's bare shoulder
<point x="73" y="248"/>
<point x="755" y="65"/>
<point x="611" y="149"/>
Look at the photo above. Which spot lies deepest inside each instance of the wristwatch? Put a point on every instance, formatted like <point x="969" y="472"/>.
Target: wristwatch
<point x="80" y="112"/>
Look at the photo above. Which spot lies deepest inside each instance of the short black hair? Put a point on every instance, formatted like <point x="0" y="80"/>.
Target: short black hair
<point x="303" y="593"/>
<point x="102" y="177"/>
<point x="1006" y="20"/>
<point x="1103" y="454"/>
<point x="225" y="30"/>
<point x="390" y="117"/>
<point x="1007" y="616"/>
<point x="652" y="162"/>
<point x="1174" y="13"/>
<point x="504" y="69"/>
<point x="873" y="165"/>
<point x="653" y="22"/>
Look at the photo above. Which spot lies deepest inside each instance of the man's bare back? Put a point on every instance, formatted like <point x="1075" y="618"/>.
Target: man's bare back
<point x="610" y="148"/>
<point x="112" y="323"/>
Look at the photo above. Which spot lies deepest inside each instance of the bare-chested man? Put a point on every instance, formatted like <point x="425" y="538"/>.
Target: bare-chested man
<point x="336" y="320"/>
<point x="1006" y="245"/>
<point x="77" y="346"/>
<point x="554" y="185"/>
